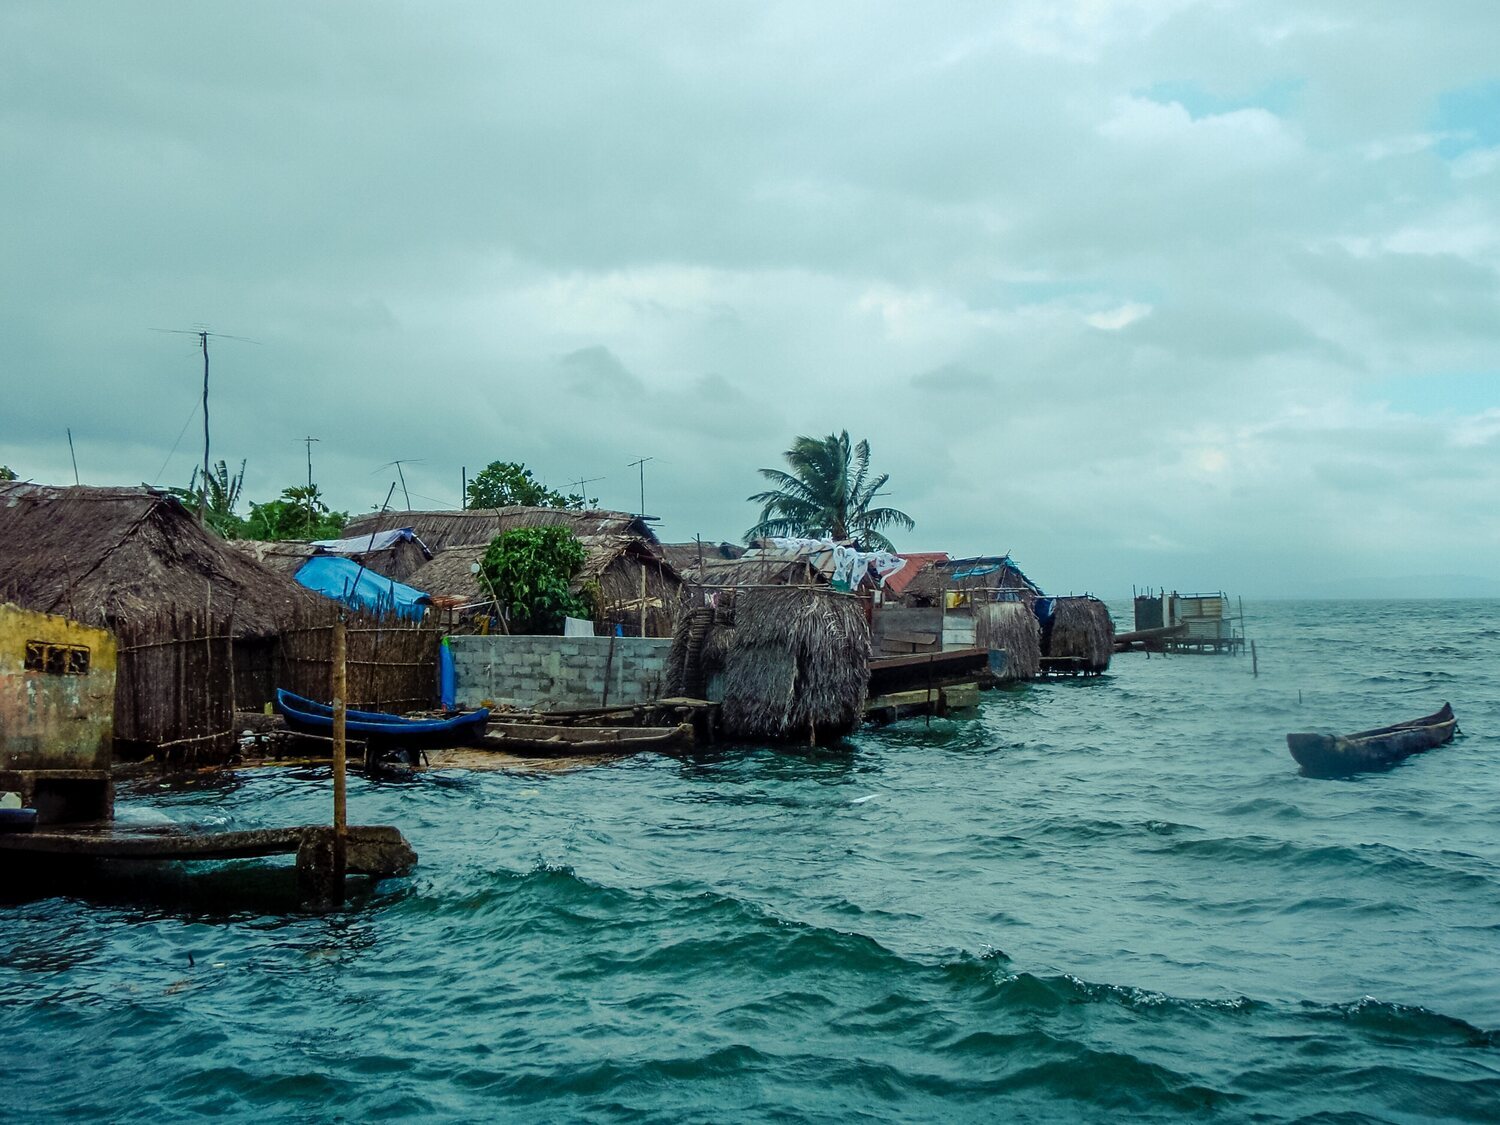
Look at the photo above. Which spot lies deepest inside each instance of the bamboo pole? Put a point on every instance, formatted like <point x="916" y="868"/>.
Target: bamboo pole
<point x="340" y="811"/>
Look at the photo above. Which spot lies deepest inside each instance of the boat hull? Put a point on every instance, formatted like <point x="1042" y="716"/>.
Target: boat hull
<point x="1331" y="755"/>
<point x="386" y="731"/>
<point x="538" y="740"/>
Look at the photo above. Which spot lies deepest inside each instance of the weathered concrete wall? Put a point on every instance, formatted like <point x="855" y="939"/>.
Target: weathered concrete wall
<point x="58" y="714"/>
<point x="557" y="672"/>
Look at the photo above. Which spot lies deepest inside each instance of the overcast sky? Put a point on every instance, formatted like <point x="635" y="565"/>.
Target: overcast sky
<point x="1143" y="291"/>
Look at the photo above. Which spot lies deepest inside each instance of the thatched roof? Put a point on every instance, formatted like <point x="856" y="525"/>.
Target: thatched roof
<point x="915" y="560"/>
<point x="105" y="554"/>
<point x="474" y="526"/>
<point x="1080" y="628"/>
<point x="451" y="574"/>
<point x="760" y="567"/>
<point x="794" y="662"/>
<point x="991" y="573"/>
<point x="398" y="560"/>
<point x="1012" y="627"/>
<point x="283" y="556"/>
<point x="684" y="555"/>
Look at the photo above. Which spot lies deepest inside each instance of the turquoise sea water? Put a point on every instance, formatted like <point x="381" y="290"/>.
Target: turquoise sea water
<point x="1098" y="900"/>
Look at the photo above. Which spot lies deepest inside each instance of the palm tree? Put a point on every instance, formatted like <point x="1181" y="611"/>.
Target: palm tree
<point x="827" y="494"/>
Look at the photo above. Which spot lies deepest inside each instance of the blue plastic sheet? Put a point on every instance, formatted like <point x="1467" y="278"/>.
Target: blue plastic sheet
<point x="344" y="580"/>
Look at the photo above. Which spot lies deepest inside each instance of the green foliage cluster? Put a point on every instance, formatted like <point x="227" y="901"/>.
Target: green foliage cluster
<point x="7" y="473"/>
<point x="505" y="484"/>
<point x="299" y="513"/>
<point x="530" y="572"/>
<point x="828" y="493"/>
<point x="221" y="495"/>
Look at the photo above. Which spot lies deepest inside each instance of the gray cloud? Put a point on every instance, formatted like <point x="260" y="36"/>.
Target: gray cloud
<point x="1115" y="286"/>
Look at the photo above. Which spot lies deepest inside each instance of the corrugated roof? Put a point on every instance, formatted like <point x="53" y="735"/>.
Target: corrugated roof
<point x="915" y="561"/>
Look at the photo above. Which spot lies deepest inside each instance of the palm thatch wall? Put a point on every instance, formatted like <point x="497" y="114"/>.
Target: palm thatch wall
<point x="793" y="662"/>
<point x="1013" y="627"/>
<point x="1083" y="630"/>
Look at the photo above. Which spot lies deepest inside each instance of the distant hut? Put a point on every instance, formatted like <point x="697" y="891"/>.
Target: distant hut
<point x="786" y="664"/>
<point x="1012" y="628"/>
<point x="470" y="527"/>
<point x="397" y="553"/>
<point x="685" y="555"/>
<point x="985" y="578"/>
<point x="635" y="585"/>
<point x="1078" y="634"/>
<point x="195" y="618"/>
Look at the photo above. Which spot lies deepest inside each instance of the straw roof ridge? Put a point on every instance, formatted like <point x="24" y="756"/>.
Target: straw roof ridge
<point x="106" y="554"/>
<point x="443" y="529"/>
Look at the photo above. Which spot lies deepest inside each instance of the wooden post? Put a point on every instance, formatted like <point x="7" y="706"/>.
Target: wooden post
<point x="1254" y="663"/>
<point x="340" y="811"/>
<point x="643" y="599"/>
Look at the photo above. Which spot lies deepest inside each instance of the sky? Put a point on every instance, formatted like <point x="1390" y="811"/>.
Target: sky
<point x="1145" y="292"/>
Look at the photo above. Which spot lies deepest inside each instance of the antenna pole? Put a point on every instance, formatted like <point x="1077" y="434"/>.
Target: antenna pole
<point x="203" y="484"/>
<point x="308" y="440"/>
<point x="641" y="464"/>
<point x="75" y="458"/>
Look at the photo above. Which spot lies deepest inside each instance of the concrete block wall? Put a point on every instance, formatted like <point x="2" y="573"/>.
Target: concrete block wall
<point x="551" y="673"/>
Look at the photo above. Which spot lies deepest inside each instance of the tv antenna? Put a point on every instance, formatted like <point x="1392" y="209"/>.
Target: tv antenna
<point x="581" y="483"/>
<point x="203" y="334"/>
<point x="402" y="476"/>
<point x="308" y="441"/>
<point x="641" y="464"/>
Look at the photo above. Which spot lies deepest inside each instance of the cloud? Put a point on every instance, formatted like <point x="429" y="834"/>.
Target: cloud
<point x="1119" y="286"/>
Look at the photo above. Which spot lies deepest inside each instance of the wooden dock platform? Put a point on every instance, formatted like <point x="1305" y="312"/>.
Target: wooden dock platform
<point x="378" y="851"/>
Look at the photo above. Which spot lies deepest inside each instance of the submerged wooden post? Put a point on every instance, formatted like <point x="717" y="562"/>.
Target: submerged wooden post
<point x="1254" y="663"/>
<point x="340" y="720"/>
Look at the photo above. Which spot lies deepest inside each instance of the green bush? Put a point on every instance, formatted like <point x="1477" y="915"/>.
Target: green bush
<point x="530" y="571"/>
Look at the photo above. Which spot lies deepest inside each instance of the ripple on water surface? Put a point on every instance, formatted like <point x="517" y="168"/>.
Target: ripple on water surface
<point x="1094" y="900"/>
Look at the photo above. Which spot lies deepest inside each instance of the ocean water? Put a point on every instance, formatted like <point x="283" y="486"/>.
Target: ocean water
<point x="1103" y="899"/>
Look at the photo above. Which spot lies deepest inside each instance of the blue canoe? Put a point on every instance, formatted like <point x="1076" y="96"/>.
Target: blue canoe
<point x="312" y="717"/>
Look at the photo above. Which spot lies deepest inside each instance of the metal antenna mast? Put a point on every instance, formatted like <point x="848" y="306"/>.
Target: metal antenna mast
<point x="308" y="441"/>
<point x="641" y="464"/>
<point x="402" y="476"/>
<point x="581" y="482"/>
<point x="203" y="334"/>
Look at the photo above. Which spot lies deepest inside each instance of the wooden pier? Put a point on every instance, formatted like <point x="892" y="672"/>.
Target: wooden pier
<point x="377" y="851"/>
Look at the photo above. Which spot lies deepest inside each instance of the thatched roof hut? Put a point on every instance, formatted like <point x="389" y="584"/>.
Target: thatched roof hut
<point x="1013" y="628"/>
<point x="1078" y="630"/>
<point x="104" y="555"/>
<point x="398" y="553"/>
<point x="685" y="555"/>
<point x="619" y="564"/>
<point x="442" y="530"/>
<point x="985" y="578"/>
<point x="790" y="664"/>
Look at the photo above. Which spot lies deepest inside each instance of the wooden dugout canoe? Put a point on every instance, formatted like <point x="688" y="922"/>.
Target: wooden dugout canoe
<point x="537" y="739"/>
<point x="1333" y="755"/>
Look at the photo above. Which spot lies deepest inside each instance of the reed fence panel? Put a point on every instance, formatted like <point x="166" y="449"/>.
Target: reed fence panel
<point x="174" y="688"/>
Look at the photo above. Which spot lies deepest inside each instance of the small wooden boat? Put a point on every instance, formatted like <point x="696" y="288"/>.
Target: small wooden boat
<point x="543" y="740"/>
<point x="1333" y="755"/>
<point x="381" y="728"/>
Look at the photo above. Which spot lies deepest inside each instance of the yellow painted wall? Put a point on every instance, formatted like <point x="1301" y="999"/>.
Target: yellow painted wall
<point x="50" y="720"/>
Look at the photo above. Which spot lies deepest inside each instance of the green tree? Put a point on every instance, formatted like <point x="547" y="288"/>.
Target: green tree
<point x="828" y="493"/>
<point x="299" y="513"/>
<point x="505" y="484"/>
<point x="530" y="572"/>
<point x="7" y="473"/>
<point x="221" y="496"/>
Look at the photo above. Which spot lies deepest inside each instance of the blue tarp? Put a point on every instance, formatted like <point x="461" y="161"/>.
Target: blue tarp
<point x="335" y="577"/>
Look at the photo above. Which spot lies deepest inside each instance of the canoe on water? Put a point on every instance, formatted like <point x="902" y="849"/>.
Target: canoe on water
<point x="528" y="739"/>
<point x="1333" y="755"/>
<point x="380" y="727"/>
